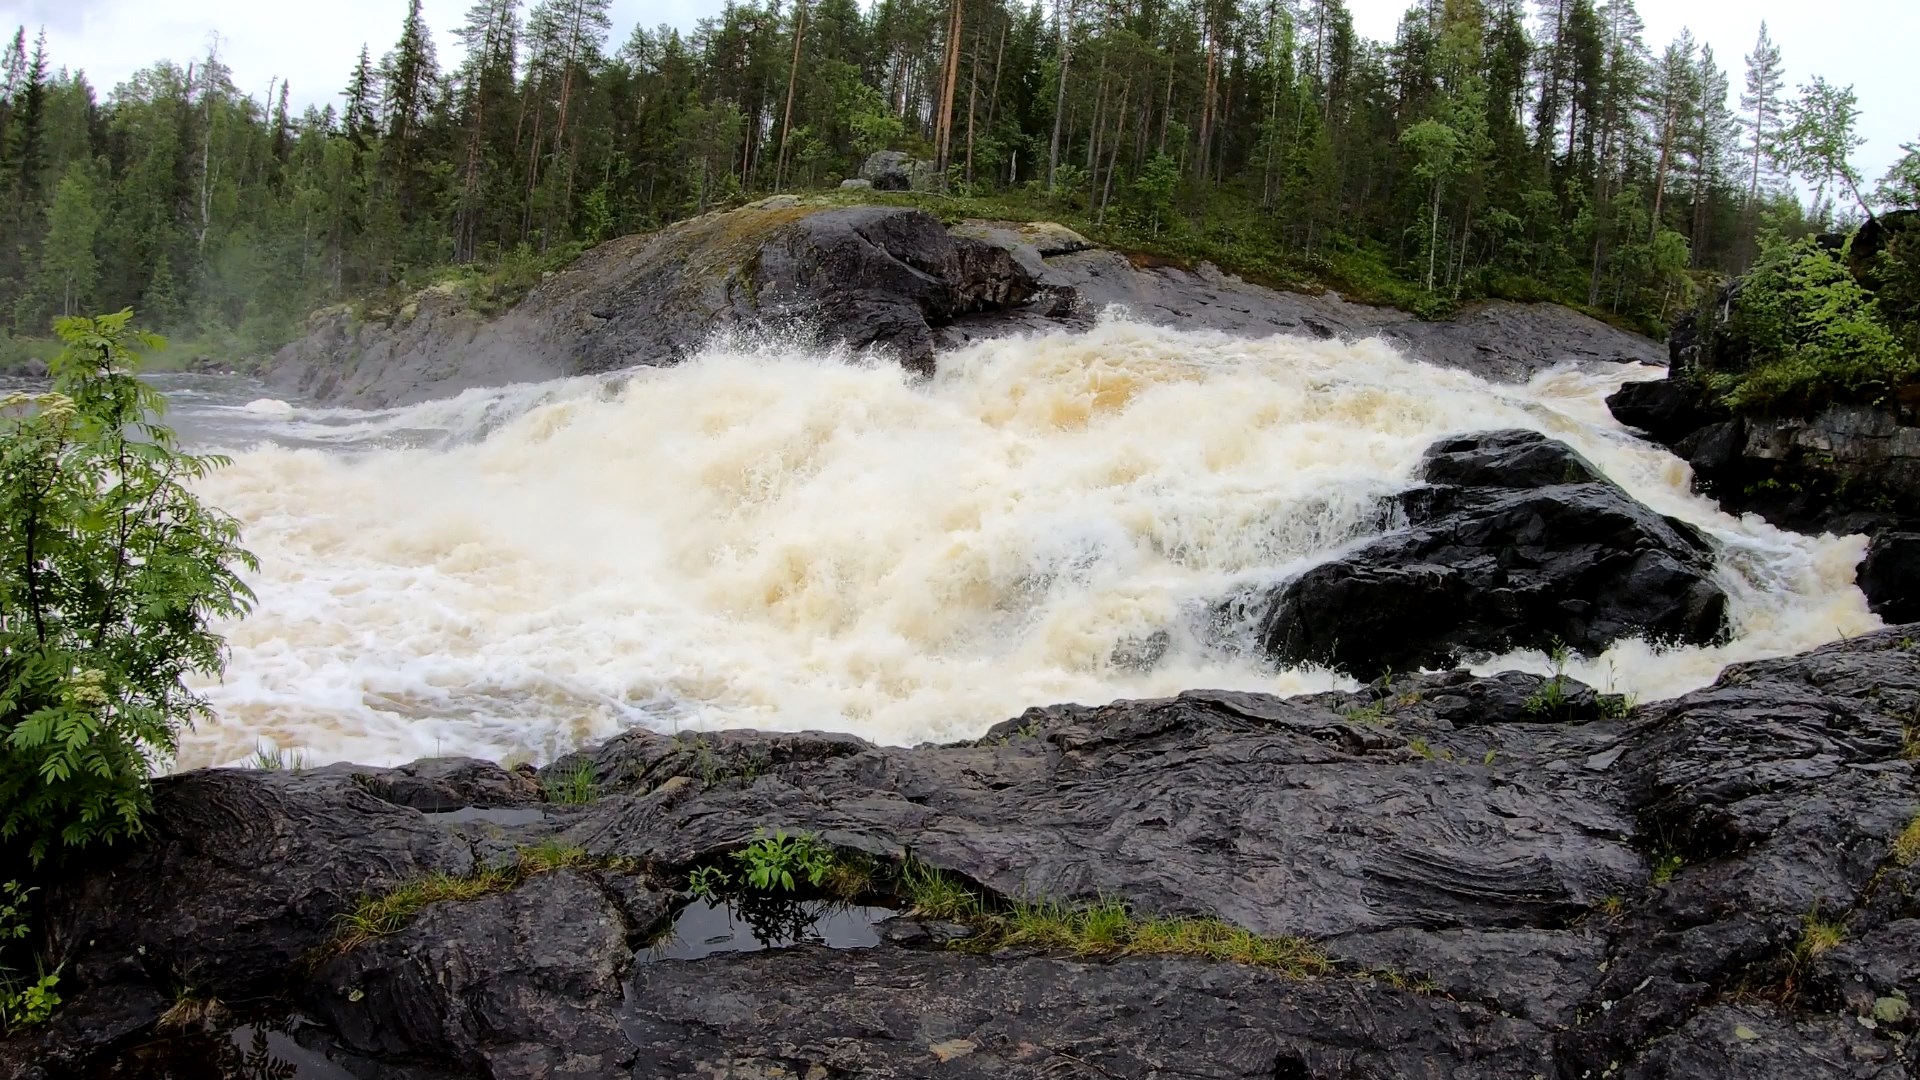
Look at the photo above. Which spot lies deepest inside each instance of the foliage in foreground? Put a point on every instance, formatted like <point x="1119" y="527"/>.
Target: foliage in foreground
<point x="111" y="574"/>
<point x="24" y="1001"/>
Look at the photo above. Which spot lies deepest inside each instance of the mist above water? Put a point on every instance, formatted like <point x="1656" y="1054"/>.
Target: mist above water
<point x="768" y="538"/>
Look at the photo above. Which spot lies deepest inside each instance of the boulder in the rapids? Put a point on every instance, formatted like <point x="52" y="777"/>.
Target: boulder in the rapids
<point x="1666" y="409"/>
<point x="1516" y="542"/>
<point x="1890" y="576"/>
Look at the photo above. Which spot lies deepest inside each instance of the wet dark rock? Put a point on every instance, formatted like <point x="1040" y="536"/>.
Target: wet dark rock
<point x="863" y="277"/>
<point x="1505" y="894"/>
<point x="438" y="785"/>
<point x="858" y="277"/>
<point x="1666" y="409"/>
<point x="525" y="983"/>
<point x="1517" y="542"/>
<point x="1890" y="576"/>
<point x="916" y="1014"/>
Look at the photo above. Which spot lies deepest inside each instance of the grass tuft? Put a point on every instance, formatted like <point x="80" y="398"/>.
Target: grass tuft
<point x="1108" y="928"/>
<point x="1906" y="846"/>
<point x="390" y="912"/>
<point x="577" y="788"/>
<point x="1818" y="936"/>
<point x="937" y="894"/>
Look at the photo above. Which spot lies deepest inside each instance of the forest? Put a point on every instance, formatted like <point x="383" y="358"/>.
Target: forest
<point x="1492" y="148"/>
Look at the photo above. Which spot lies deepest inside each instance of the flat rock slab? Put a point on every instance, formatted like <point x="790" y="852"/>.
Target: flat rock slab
<point x="1504" y="894"/>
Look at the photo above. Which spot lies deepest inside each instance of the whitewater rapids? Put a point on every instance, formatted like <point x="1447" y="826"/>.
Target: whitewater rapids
<point x="763" y="537"/>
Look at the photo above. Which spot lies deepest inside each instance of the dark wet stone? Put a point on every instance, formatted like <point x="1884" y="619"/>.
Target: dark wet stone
<point x="1517" y="542"/>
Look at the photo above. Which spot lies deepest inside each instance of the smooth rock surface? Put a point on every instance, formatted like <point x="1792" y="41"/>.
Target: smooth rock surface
<point x="866" y="277"/>
<point x="1483" y="874"/>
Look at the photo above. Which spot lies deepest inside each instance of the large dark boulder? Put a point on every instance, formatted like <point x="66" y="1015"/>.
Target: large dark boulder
<point x="862" y="277"/>
<point x="1517" y="542"/>
<point x="1668" y="410"/>
<point x="1890" y="576"/>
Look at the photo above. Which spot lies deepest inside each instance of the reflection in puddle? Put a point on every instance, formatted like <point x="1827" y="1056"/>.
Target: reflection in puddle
<point x="505" y="816"/>
<point x="705" y="927"/>
<point x="284" y="1049"/>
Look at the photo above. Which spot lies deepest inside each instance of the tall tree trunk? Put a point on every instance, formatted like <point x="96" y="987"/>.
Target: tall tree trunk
<point x="1063" y="14"/>
<point x="1209" y="83"/>
<point x="793" y="74"/>
<point x="943" y="126"/>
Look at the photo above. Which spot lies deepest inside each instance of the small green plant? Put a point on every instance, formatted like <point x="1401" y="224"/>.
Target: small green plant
<point x="269" y="758"/>
<point x="23" y="1003"/>
<point x="1419" y="746"/>
<point x="708" y="882"/>
<point x="1666" y="865"/>
<point x="850" y="876"/>
<point x="1612" y="907"/>
<point x="1616" y="706"/>
<point x="1490" y="757"/>
<point x="781" y="861"/>
<point x="577" y="788"/>
<point x="190" y="1009"/>
<point x="548" y="855"/>
<point x="1551" y="698"/>
<point x="111" y="607"/>
<point x="1371" y="713"/>
<point x="1108" y="928"/>
<point x="390" y="912"/>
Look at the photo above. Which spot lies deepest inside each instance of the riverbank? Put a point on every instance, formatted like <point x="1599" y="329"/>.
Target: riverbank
<point x="1454" y="879"/>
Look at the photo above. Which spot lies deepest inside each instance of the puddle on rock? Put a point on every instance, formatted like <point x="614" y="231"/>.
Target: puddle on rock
<point x="284" y="1049"/>
<point x="504" y="816"/>
<point x="706" y="927"/>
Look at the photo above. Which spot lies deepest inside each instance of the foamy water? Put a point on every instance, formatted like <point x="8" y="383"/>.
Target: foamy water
<point x="769" y="539"/>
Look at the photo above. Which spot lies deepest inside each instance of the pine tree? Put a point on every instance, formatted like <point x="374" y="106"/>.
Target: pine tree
<point x="1761" y="106"/>
<point x="362" y="101"/>
<point x="407" y="78"/>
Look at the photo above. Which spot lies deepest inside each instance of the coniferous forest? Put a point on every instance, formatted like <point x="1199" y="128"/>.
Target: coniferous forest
<point x="1493" y="148"/>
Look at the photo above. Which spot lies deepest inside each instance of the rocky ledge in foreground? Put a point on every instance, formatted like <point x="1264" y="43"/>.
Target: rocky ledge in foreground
<point x="884" y="277"/>
<point x="1439" y="876"/>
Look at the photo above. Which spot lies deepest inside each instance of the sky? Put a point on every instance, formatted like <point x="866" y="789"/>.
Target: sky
<point x="1864" y="42"/>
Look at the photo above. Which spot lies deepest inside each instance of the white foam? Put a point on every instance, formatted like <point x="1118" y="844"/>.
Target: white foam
<point x="769" y="538"/>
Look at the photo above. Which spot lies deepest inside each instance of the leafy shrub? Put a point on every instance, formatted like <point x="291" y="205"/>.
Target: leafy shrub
<point x="780" y="861"/>
<point x="110" y="572"/>
<point x="1812" y="333"/>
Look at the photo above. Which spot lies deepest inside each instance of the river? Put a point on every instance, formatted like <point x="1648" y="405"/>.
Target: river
<point x="767" y="538"/>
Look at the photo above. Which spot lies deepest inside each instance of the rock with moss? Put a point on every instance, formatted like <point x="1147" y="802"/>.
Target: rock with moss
<point x="819" y="272"/>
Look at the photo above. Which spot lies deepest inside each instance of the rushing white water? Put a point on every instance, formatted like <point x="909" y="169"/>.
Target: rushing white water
<point x="770" y="539"/>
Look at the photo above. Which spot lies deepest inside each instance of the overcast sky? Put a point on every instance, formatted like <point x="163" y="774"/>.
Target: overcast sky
<point x="1868" y="43"/>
